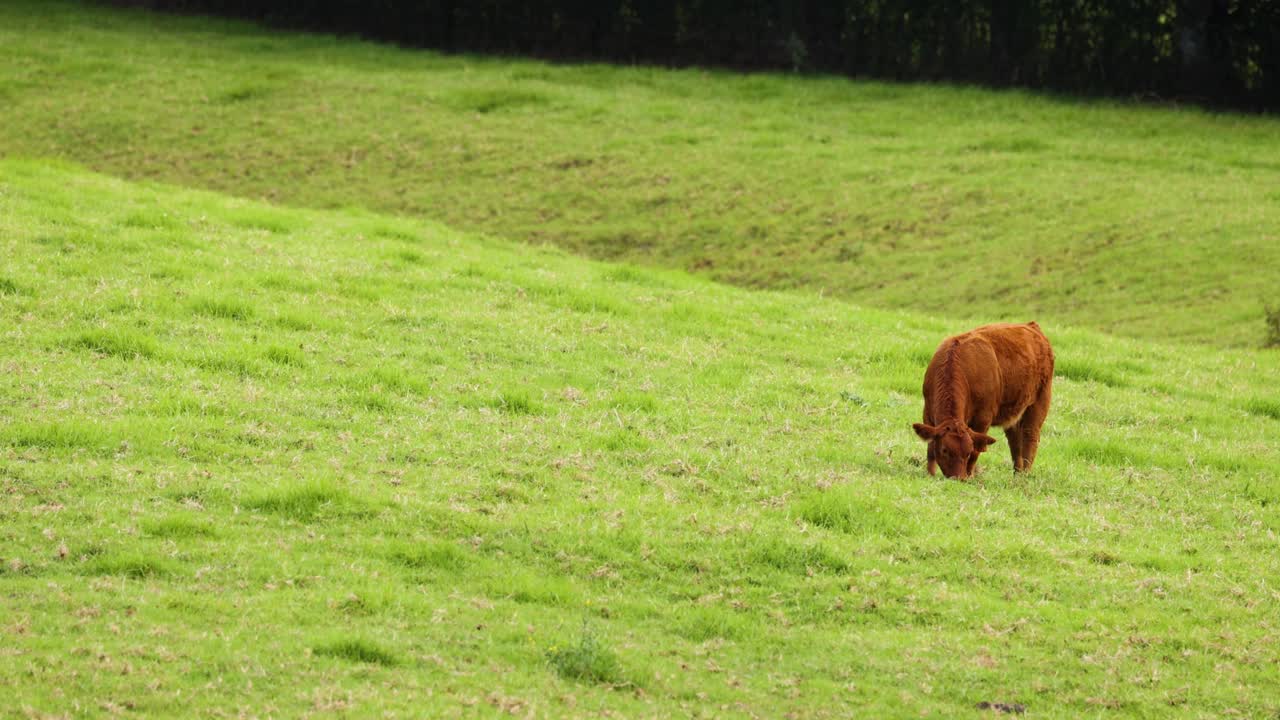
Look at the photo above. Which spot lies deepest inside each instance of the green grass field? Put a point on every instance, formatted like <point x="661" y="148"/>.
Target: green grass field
<point x="1133" y="220"/>
<point x="281" y="462"/>
<point x="386" y="447"/>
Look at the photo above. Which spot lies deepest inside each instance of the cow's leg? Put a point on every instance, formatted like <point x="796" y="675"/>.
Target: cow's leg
<point x="1029" y="427"/>
<point x="928" y="420"/>
<point x="1013" y="434"/>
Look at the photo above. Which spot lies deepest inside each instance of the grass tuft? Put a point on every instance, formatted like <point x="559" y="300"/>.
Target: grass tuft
<point x="633" y="275"/>
<point x="131" y="565"/>
<point x="307" y="502"/>
<point x="490" y="100"/>
<point x="431" y="554"/>
<point x="265" y="219"/>
<point x="409" y="257"/>
<point x="177" y="527"/>
<point x="1264" y="408"/>
<point x="791" y="557"/>
<point x="224" y="309"/>
<point x="516" y="402"/>
<point x="1271" y="316"/>
<point x="1081" y="370"/>
<point x="536" y="589"/>
<point x="58" y="436"/>
<point x="230" y="361"/>
<point x="150" y="220"/>
<point x="125" y="344"/>
<point x="635" y="402"/>
<point x="281" y="355"/>
<point x="846" y="511"/>
<point x="1102" y="557"/>
<point x="357" y="650"/>
<point x="1265" y="492"/>
<point x="244" y="92"/>
<point x="701" y="624"/>
<point x="1102" y="452"/>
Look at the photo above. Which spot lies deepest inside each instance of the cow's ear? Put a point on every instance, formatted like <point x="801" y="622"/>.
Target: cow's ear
<point x="981" y="441"/>
<point x="926" y="432"/>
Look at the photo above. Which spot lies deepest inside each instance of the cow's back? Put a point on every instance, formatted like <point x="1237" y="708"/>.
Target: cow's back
<point x="1025" y="361"/>
<point x="1017" y="345"/>
<point x="1004" y="366"/>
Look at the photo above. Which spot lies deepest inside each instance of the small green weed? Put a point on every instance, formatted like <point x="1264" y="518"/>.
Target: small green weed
<point x="853" y="398"/>
<point x="587" y="660"/>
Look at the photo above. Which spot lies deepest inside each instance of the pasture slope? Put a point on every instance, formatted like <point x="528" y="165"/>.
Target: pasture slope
<point x="272" y="462"/>
<point x="1142" y="221"/>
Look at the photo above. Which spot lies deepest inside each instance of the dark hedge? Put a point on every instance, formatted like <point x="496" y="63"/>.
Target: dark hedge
<point x="1214" y="52"/>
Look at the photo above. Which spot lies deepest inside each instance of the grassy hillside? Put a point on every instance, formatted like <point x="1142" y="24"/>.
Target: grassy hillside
<point x="265" y="461"/>
<point x="1143" y="221"/>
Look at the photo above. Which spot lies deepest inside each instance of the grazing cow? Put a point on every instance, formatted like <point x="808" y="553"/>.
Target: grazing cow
<point x="993" y="375"/>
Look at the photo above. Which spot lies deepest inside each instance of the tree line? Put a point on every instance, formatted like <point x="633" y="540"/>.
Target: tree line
<point x="1213" y="52"/>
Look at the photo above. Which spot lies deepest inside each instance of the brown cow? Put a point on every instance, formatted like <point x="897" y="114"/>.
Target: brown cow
<point x="994" y="375"/>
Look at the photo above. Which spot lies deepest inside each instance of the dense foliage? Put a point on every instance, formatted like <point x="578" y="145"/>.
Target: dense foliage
<point x="1217" y="51"/>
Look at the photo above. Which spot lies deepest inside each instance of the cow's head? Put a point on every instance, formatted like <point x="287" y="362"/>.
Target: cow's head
<point x="953" y="446"/>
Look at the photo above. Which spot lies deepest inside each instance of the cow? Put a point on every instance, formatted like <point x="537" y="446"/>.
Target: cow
<point x="999" y="375"/>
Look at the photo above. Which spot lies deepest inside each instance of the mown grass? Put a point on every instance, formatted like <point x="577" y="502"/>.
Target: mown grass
<point x="1146" y="221"/>
<point x="204" y="514"/>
